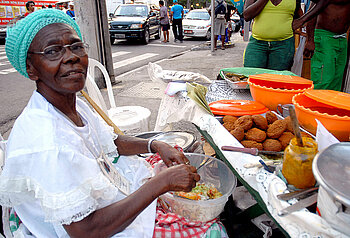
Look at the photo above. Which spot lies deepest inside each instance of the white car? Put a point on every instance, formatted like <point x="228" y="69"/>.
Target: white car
<point x="197" y="23"/>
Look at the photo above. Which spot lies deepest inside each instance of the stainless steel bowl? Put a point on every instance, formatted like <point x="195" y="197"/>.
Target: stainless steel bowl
<point x="331" y="168"/>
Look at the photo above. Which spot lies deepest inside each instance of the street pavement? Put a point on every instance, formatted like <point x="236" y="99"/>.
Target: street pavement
<point x="135" y="88"/>
<point x="128" y="55"/>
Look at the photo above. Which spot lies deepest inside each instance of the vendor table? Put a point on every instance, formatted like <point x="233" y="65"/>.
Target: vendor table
<point x="262" y="185"/>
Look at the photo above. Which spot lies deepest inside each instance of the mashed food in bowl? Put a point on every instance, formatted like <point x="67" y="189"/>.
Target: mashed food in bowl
<point x="201" y="192"/>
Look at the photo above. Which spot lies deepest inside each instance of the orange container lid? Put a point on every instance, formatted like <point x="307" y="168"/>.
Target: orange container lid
<point x="281" y="81"/>
<point x="237" y="107"/>
<point x="330" y="97"/>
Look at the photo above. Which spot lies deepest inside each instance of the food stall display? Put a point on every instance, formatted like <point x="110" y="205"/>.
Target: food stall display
<point x="227" y="130"/>
<point x="264" y="186"/>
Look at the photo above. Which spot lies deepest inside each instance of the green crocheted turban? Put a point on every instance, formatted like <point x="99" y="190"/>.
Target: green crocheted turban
<point x="21" y="34"/>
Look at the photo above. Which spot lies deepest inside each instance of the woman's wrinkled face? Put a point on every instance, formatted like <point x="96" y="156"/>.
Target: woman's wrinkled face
<point x="65" y="75"/>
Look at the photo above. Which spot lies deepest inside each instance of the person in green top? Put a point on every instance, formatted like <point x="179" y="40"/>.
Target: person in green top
<point x="271" y="45"/>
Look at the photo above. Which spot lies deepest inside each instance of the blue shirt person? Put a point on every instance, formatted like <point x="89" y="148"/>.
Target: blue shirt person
<point x="177" y="13"/>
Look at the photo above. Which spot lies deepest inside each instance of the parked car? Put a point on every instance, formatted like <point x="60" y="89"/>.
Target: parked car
<point x="134" y="21"/>
<point x="197" y="23"/>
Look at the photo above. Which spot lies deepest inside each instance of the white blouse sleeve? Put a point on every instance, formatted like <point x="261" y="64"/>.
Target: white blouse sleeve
<point x="68" y="184"/>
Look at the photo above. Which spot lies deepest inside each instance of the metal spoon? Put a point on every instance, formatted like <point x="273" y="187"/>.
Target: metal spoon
<point x="295" y="125"/>
<point x="204" y="162"/>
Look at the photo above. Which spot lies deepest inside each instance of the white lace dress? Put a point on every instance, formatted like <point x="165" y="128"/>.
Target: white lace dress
<point x="51" y="178"/>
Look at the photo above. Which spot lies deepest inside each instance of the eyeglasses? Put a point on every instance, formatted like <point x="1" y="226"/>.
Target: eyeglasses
<point x="55" y="52"/>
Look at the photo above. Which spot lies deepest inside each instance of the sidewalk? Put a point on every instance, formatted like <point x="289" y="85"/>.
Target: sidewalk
<point x="136" y="87"/>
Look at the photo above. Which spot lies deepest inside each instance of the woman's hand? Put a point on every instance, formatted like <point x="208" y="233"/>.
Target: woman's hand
<point x="179" y="178"/>
<point x="168" y="153"/>
<point x="296" y="24"/>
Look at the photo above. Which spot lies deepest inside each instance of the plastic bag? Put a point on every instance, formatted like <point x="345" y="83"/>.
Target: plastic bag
<point x="298" y="57"/>
<point x="156" y="73"/>
<point x="2" y="152"/>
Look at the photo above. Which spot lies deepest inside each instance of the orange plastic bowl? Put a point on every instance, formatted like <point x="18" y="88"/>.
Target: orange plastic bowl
<point x="335" y="120"/>
<point x="271" y="97"/>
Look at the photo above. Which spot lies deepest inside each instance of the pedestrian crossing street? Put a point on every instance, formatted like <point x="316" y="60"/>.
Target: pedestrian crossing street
<point x="6" y="67"/>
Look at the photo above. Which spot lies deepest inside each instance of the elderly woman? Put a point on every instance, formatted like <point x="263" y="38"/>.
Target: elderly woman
<point x="59" y="178"/>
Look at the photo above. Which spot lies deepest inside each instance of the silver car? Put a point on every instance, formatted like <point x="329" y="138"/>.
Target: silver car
<point x="197" y="23"/>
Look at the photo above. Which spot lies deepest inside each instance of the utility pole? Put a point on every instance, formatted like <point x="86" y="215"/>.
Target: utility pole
<point x="212" y="26"/>
<point x="91" y="16"/>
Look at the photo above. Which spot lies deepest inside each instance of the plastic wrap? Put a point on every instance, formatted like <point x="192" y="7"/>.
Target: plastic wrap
<point x="156" y="73"/>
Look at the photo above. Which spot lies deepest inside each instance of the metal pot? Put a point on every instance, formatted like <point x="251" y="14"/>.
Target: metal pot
<point x="331" y="168"/>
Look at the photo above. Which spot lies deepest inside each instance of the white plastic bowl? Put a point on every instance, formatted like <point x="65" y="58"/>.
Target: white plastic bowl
<point x="215" y="173"/>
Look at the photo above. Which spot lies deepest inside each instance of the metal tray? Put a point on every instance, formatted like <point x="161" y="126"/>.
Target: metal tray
<point x="235" y="85"/>
<point x="181" y="138"/>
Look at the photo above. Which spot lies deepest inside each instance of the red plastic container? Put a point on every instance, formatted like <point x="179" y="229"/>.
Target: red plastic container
<point x="272" y="89"/>
<point x="331" y="108"/>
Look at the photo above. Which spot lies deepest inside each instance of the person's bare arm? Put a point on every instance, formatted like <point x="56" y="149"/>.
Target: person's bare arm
<point x="128" y="145"/>
<point x="171" y="16"/>
<point x="313" y="11"/>
<point x="116" y="217"/>
<point x="310" y="44"/>
<point x="252" y="8"/>
<point x="297" y="13"/>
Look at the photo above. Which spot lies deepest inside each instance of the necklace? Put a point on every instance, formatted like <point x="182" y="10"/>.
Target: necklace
<point x="107" y="168"/>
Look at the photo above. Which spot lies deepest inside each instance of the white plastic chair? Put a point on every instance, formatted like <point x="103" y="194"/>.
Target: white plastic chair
<point x="5" y="210"/>
<point x="130" y="119"/>
<point x="2" y="152"/>
<point x="93" y="90"/>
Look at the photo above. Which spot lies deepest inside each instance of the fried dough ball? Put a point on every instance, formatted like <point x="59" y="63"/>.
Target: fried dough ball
<point x="238" y="133"/>
<point x="271" y="117"/>
<point x="229" y="118"/>
<point x="276" y="129"/>
<point x="255" y="134"/>
<point x="260" y="122"/>
<point x="304" y="134"/>
<point x="229" y="126"/>
<point x="285" y="138"/>
<point x="272" y="145"/>
<point x="246" y="122"/>
<point x="289" y="124"/>
<point x="252" y="144"/>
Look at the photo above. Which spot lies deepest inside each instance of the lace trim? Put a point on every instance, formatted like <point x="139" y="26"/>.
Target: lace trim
<point x="62" y="208"/>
